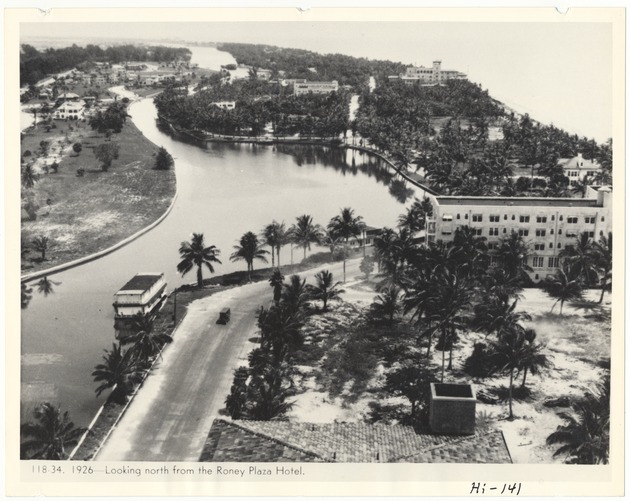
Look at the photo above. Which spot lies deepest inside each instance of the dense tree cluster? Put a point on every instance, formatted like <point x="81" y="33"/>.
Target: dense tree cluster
<point x="258" y="103"/>
<point x="457" y="157"/>
<point x="299" y="63"/>
<point x="36" y="64"/>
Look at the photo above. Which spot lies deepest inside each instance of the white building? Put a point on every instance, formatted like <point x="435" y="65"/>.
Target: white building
<point x="547" y="225"/>
<point x="225" y="105"/>
<point x="577" y="168"/>
<point x="300" y="88"/>
<point x="140" y="295"/>
<point x="70" y="110"/>
<point x="434" y="75"/>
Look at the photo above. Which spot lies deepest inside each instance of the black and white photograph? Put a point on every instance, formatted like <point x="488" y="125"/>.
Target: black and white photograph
<point x="332" y="241"/>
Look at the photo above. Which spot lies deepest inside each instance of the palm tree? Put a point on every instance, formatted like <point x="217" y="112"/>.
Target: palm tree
<point x="145" y="343"/>
<point x="118" y="371"/>
<point x="304" y="232"/>
<point x="472" y="252"/>
<point x="50" y="435"/>
<point x="283" y="237"/>
<point x="586" y="434"/>
<point x="581" y="258"/>
<point x="195" y="253"/>
<point x="393" y="250"/>
<point x="270" y="237"/>
<point x="276" y="280"/>
<point x="346" y="225"/>
<point x="29" y="176"/>
<point x="497" y="316"/>
<point x="414" y="219"/>
<point x="331" y="240"/>
<point x="41" y="244"/>
<point x="533" y="359"/>
<point x="603" y="258"/>
<point x="295" y="294"/>
<point x="325" y="290"/>
<point x="508" y="354"/>
<point x="46" y="286"/>
<point x="443" y="299"/>
<point x="581" y="186"/>
<point x="562" y="287"/>
<point x="269" y="394"/>
<point x="388" y="303"/>
<point x="280" y="330"/>
<point x="249" y="250"/>
<point x="512" y="255"/>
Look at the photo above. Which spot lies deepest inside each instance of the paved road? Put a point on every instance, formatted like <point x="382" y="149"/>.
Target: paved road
<point x="171" y="415"/>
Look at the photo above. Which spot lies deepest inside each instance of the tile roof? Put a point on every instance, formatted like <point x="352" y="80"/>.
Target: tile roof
<point x="267" y="441"/>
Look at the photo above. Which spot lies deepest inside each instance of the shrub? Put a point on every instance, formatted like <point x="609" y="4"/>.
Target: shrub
<point x="479" y="363"/>
<point x="77" y="147"/>
<point x="163" y="159"/>
<point x="27" y="153"/>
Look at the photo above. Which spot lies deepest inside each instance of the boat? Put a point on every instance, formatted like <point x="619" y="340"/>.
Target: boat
<point x="143" y="294"/>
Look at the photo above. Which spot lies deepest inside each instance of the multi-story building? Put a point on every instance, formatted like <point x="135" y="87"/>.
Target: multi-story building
<point x="300" y="88"/>
<point x="547" y="225"/>
<point x="428" y="76"/>
<point x="70" y="110"/>
<point x="99" y="80"/>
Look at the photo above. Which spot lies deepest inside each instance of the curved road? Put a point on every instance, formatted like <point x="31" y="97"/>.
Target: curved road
<point x="172" y="413"/>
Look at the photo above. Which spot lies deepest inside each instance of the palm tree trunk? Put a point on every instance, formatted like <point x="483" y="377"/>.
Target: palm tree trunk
<point x="278" y="254"/>
<point x="450" y="357"/>
<point x="561" y="304"/>
<point x="199" y="277"/>
<point x="601" y="297"/>
<point x="429" y="345"/>
<point x="305" y="252"/>
<point x="511" y="416"/>
<point x="524" y="378"/>
<point x="273" y="258"/>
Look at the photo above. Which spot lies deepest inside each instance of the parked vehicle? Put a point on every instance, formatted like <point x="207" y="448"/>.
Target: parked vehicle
<point x="224" y="316"/>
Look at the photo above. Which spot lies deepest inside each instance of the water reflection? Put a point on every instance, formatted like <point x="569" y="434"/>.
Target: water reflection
<point x="400" y="191"/>
<point x="46" y="286"/>
<point x="341" y="160"/>
<point x="27" y="295"/>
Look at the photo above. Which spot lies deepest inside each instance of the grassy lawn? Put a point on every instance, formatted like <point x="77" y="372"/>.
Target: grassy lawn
<point x="82" y="215"/>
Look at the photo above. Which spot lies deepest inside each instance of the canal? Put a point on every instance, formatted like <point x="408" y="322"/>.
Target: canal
<point x="223" y="192"/>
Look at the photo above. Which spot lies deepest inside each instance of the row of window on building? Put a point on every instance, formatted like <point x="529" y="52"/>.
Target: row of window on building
<point x="478" y="218"/>
<point x="537" y="261"/>
<point x="523" y="232"/>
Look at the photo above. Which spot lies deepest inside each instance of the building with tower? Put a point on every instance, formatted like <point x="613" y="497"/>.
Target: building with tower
<point x="434" y="75"/>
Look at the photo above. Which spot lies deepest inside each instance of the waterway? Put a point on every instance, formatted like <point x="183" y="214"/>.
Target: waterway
<point x="223" y="192"/>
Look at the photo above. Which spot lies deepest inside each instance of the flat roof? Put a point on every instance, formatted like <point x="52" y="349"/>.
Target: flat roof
<point x="142" y="281"/>
<point x="517" y="201"/>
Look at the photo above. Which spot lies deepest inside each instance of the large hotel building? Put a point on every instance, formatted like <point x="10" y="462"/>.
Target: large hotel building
<point x="428" y="76"/>
<point x="547" y="225"/>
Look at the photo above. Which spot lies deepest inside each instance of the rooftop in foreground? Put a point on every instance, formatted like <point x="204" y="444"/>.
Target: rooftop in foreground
<point x="277" y="441"/>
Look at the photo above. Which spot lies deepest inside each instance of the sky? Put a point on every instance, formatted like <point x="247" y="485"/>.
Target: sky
<point x="558" y="72"/>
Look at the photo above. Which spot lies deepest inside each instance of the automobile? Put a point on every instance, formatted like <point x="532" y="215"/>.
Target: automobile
<point x="224" y="316"/>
